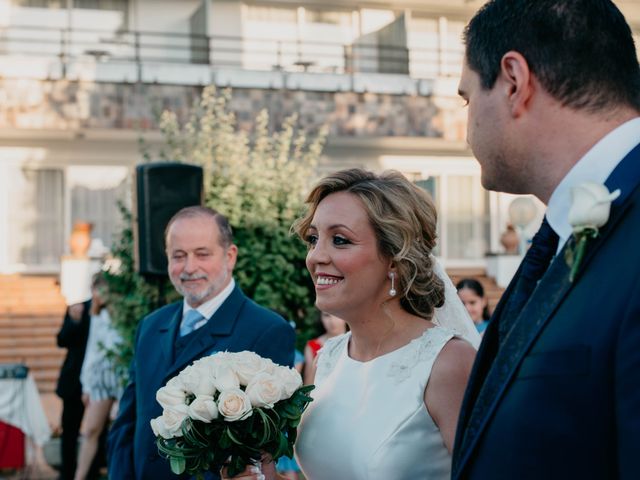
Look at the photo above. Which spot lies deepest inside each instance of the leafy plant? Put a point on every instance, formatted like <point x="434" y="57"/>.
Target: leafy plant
<point x="258" y="179"/>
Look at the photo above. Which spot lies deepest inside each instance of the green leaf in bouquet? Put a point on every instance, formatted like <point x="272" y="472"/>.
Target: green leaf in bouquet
<point x="224" y="441"/>
<point x="194" y="433"/>
<point x="237" y="464"/>
<point x="283" y="443"/>
<point x="232" y="437"/>
<point x="178" y="464"/>
<point x="268" y="424"/>
<point x="292" y="435"/>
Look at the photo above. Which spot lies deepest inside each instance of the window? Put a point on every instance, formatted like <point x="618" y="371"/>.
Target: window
<point x="117" y="5"/>
<point x="271" y="14"/>
<point x="463" y="215"/>
<point x="51" y="4"/>
<point x="37" y="217"/>
<point x="95" y="192"/>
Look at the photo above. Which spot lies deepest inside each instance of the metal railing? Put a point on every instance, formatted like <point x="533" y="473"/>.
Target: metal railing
<point x="137" y="47"/>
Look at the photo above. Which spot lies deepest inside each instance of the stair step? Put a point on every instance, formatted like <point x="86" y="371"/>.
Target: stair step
<point x="49" y="331"/>
<point x="19" y="321"/>
<point x="32" y="341"/>
<point x="19" y="354"/>
<point x="47" y="386"/>
<point x="41" y="363"/>
<point x="45" y="375"/>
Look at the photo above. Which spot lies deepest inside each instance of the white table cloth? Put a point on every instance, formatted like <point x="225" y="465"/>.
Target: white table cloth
<point x="20" y="406"/>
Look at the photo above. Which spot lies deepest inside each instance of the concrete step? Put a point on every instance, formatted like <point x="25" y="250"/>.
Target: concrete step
<point x="19" y="330"/>
<point x="28" y="341"/>
<point x="22" y="353"/>
<point x="30" y="321"/>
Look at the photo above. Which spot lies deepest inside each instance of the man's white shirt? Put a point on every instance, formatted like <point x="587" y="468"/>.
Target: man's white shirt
<point x="595" y="166"/>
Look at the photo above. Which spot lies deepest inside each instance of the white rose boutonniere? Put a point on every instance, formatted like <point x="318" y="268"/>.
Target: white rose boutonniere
<point x="590" y="207"/>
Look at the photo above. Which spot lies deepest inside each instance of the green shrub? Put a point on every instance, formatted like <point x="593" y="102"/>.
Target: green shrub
<point x="258" y="179"/>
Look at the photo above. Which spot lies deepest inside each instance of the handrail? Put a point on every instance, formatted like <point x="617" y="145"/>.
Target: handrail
<point x="223" y="50"/>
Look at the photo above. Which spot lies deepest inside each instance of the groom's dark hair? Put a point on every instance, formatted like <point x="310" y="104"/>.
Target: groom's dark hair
<point x="581" y="51"/>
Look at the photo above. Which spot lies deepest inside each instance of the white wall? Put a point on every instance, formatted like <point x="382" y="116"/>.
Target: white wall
<point x="163" y="15"/>
<point x="226" y="18"/>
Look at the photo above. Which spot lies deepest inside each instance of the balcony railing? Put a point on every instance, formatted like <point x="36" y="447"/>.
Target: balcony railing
<point x="68" y="48"/>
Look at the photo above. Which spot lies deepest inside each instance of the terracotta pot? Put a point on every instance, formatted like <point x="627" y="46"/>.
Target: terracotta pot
<point x="80" y="239"/>
<point x="510" y="240"/>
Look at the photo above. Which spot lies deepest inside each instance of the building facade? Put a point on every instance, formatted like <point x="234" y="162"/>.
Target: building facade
<point x="82" y="81"/>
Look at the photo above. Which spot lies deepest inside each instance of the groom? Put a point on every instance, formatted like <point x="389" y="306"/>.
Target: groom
<point x="553" y="93"/>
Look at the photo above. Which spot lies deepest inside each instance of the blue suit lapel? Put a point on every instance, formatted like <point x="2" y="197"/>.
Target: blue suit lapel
<point x="546" y="298"/>
<point x="220" y="325"/>
<point x="167" y="335"/>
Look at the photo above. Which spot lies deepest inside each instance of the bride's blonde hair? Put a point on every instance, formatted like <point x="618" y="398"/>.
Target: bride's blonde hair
<point x="403" y="218"/>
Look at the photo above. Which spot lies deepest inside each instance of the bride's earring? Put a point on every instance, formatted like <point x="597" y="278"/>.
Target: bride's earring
<point x="392" y="290"/>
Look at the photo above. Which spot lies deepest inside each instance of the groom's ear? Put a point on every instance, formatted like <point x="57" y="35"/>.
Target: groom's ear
<point x="517" y="81"/>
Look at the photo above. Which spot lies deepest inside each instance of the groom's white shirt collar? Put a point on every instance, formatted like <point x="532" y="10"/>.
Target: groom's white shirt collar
<point x="208" y="308"/>
<point x="595" y="166"/>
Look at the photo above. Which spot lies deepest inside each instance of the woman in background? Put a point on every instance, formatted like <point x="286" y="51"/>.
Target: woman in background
<point x="100" y="386"/>
<point x="472" y="295"/>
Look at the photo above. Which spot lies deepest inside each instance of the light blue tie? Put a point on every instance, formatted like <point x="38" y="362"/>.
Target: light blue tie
<point x="189" y="322"/>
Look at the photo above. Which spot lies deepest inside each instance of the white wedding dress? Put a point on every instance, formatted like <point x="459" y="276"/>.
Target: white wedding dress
<point x="368" y="420"/>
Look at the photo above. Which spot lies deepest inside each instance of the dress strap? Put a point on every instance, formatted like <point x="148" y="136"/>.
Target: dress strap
<point x="421" y="351"/>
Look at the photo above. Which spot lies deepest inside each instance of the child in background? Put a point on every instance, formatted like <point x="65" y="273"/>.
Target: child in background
<point x="471" y="293"/>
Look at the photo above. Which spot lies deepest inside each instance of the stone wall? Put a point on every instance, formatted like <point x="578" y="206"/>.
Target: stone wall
<point x="66" y="105"/>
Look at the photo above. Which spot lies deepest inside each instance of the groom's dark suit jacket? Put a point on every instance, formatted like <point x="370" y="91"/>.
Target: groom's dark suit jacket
<point x="560" y="397"/>
<point x="239" y="324"/>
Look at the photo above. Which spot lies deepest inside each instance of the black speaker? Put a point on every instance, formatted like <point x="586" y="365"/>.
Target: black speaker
<point x="162" y="189"/>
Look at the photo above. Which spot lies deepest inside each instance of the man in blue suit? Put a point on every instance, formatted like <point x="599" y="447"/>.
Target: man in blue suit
<point x="553" y="94"/>
<point x="214" y="316"/>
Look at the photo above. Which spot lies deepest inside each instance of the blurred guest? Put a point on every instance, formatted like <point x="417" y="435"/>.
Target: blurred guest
<point x="73" y="336"/>
<point x="332" y="326"/>
<point x="472" y="295"/>
<point x="100" y="385"/>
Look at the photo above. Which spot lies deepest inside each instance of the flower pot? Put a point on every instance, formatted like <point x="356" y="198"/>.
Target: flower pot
<point x="510" y="240"/>
<point x="80" y="239"/>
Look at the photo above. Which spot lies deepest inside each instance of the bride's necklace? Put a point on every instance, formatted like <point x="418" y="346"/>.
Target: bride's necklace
<point x="384" y="336"/>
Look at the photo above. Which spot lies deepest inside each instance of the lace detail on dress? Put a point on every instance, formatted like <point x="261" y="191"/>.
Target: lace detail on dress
<point x="328" y="356"/>
<point x="425" y="348"/>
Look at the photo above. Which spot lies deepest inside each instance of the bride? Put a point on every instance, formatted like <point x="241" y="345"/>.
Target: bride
<point x="388" y="392"/>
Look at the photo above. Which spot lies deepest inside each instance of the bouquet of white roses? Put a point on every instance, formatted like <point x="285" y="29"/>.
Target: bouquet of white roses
<point x="228" y="409"/>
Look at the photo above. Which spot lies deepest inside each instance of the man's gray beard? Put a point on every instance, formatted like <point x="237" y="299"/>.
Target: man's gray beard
<point x="193" y="298"/>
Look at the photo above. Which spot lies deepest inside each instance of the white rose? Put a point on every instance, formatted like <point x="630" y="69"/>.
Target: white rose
<point x="169" y="396"/>
<point x="225" y="378"/>
<point x="175" y="382"/>
<point x="290" y="380"/>
<point x="159" y="430"/>
<point x="203" y="408"/>
<point x="264" y="390"/>
<point x="198" y="380"/>
<point x="590" y="205"/>
<point x="234" y="405"/>
<point x="247" y="365"/>
<point x="169" y="424"/>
